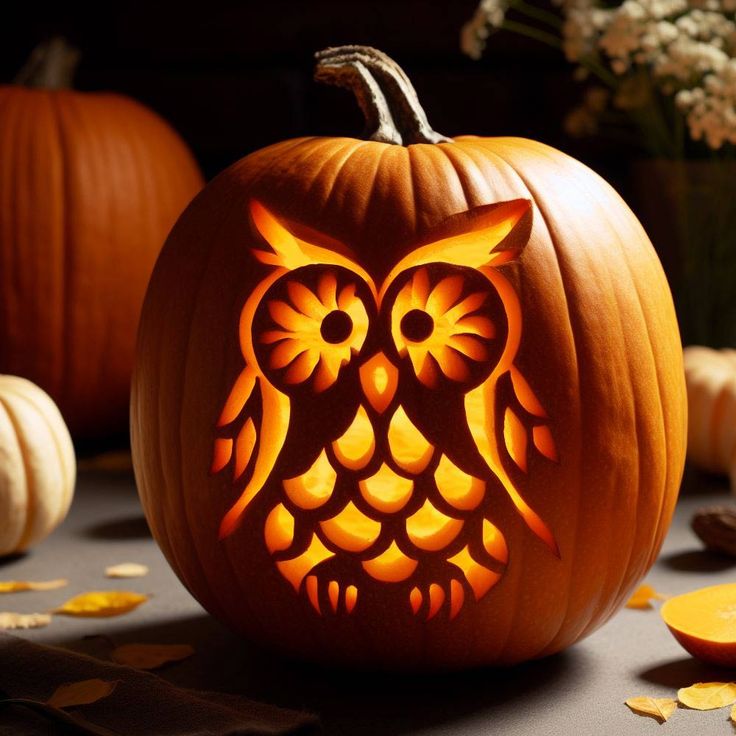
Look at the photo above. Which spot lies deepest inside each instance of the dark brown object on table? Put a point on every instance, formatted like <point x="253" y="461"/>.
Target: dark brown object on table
<point x="716" y="527"/>
<point x="141" y="703"/>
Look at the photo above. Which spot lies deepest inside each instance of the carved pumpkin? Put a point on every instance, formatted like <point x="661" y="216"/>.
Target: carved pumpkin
<point x="710" y="376"/>
<point x="37" y="465"/>
<point x="408" y="401"/>
<point x="90" y="185"/>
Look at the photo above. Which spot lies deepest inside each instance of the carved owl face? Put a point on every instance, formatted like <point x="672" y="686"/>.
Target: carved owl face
<point x="365" y="484"/>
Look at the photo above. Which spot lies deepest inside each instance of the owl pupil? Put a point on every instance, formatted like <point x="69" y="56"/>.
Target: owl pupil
<point x="336" y="327"/>
<point x="417" y="325"/>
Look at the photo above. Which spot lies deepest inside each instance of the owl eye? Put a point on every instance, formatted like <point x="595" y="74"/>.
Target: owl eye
<point x="336" y="327"/>
<point x="316" y="321"/>
<point x="417" y="325"/>
<point x="442" y="324"/>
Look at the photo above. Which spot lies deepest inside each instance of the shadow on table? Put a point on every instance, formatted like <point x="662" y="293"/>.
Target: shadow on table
<point x="697" y="560"/>
<point x="684" y="672"/>
<point x="359" y="703"/>
<point x="131" y="527"/>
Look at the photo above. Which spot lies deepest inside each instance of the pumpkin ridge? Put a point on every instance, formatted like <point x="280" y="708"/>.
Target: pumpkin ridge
<point x="15" y="545"/>
<point x="553" y="645"/>
<point x="27" y="533"/>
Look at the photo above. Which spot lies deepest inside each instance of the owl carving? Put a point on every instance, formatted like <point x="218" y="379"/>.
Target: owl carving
<point x="366" y="416"/>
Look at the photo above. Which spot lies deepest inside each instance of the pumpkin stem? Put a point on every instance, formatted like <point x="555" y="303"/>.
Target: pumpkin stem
<point x="51" y="65"/>
<point x="387" y="98"/>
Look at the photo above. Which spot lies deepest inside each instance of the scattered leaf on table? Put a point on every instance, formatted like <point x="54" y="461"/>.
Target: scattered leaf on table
<point x="643" y="597"/>
<point x="151" y="656"/>
<point x="733" y="714"/>
<point x="659" y="708"/>
<point x="9" y="620"/>
<point x="81" y="693"/>
<point x="102" y="603"/>
<point x="16" y="586"/>
<point x="708" y="695"/>
<point x="126" y="570"/>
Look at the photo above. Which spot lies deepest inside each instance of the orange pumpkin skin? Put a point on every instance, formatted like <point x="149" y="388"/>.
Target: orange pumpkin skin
<point x="599" y="345"/>
<point x="90" y="185"/>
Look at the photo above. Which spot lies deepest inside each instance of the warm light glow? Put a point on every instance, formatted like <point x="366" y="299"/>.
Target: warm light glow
<point x="351" y="529"/>
<point x="244" y="447"/>
<point x="279" y="529"/>
<point x="379" y="379"/>
<point x="457" y="597"/>
<point x="305" y="346"/>
<point x="415" y="599"/>
<point x="386" y="491"/>
<point x="430" y="529"/>
<point x="527" y="397"/>
<point x="222" y="454"/>
<point x="481" y="579"/>
<point x="436" y="599"/>
<point x="515" y="437"/>
<point x="312" y="489"/>
<point x="239" y="394"/>
<point x="351" y="598"/>
<point x="459" y="489"/>
<point x="409" y="449"/>
<point x="544" y="442"/>
<point x="392" y="566"/>
<point x="311" y="585"/>
<point x="494" y="542"/>
<point x="294" y="570"/>
<point x="355" y="447"/>
<point x="450" y="335"/>
<point x="333" y="593"/>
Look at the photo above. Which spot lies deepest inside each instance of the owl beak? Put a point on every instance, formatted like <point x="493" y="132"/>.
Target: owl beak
<point x="379" y="379"/>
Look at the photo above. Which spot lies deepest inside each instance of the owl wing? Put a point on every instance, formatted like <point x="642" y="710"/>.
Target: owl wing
<point x="522" y="416"/>
<point x="249" y="441"/>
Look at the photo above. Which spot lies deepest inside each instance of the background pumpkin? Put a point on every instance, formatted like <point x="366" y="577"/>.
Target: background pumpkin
<point x="37" y="465"/>
<point x="600" y="346"/>
<point x="711" y="392"/>
<point x="90" y="184"/>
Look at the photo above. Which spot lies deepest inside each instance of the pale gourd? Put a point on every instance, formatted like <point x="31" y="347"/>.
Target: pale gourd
<point x="711" y="397"/>
<point x="37" y="465"/>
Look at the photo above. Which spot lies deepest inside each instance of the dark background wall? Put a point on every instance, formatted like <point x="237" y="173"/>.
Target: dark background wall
<point x="235" y="76"/>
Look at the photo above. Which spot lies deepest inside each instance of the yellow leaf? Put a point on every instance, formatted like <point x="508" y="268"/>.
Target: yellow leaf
<point x="126" y="570"/>
<point x="102" y="603"/>
<point x="659" y="708"/>
<point x="708" y="695"/>
<point x="16" y="586"/>
<point x="733" y="714"/>
<point x="643" y="597"/>
<point x="81" y="693"/>
<point x="151" y="656"/>
<point x="9" y="620"/>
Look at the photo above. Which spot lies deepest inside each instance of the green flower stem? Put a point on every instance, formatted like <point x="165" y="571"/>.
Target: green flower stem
<point x="532" y="11"/>
<point x="530" y="32"/>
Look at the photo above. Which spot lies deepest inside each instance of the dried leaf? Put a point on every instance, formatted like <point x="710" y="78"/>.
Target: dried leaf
<point x="102" y="603"/>
<point x="708" y="695"/>
<point x="81" y="693"/>
<point x="16" y="586"/>
<point x="151" y="656"/>
<point x="643" y="597"/>
<point x="659" y="708"/>
<point x="126" y="570"/>
<point x="9" y="620"/>
<point x="733" y="714"/>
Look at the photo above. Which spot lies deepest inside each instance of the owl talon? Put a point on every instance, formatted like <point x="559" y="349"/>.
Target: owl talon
<point x="435" y="596"/>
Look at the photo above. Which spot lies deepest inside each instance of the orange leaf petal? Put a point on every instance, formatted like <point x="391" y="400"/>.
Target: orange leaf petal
<point x="151" y="656"/>
<point x="643" y="597"/>
<point x="126" y="570"/>
<point x="659" y="708"/>
<point x="81" y="693"/>
<point x="10" y="620"/>
<point x="708" y="695"/>
<point x="16" y="586"/>
<point x="102" y="603"/>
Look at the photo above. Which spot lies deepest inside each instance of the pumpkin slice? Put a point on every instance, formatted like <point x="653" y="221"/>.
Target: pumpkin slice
<point x="704" y="622"/>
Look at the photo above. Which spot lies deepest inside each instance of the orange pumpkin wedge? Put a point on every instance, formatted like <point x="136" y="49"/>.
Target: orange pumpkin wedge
<point x="704" y="623"/>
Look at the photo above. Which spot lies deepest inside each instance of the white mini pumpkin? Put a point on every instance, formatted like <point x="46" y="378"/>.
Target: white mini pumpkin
<point x="37" y="465"/>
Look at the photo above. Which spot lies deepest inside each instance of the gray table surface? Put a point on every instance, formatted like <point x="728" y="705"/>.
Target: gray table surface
<point x="580" y="691"/>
